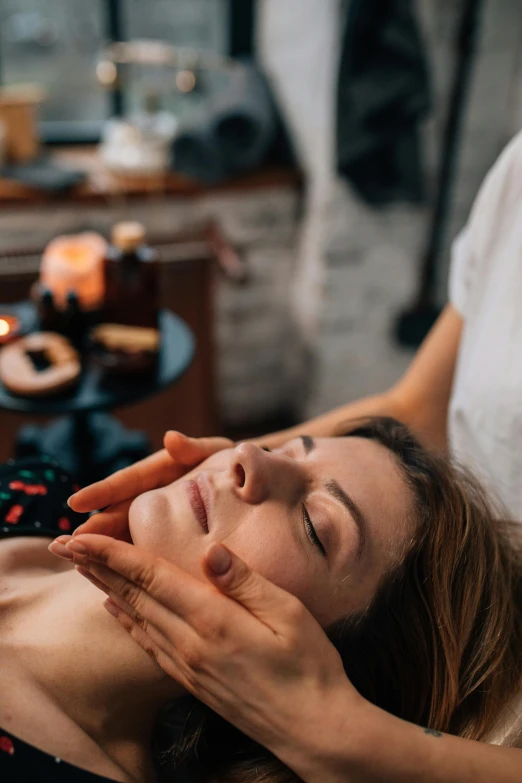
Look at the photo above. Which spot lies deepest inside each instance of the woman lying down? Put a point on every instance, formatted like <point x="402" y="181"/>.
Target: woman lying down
<point x="398" y="555"/>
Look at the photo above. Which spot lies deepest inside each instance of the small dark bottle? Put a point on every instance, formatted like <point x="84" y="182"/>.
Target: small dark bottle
<point x="51" y="320"/>
<point x="131" y="270"/>
<point x="75" y="323"/>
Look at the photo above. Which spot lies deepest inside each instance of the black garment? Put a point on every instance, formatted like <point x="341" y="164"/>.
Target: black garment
<point x="22" y="763"/>
<point x="33" y="495"/>
<point x="383" y="94"/>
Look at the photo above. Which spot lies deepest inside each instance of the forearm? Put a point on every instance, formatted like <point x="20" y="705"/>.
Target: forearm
<point x="427" y="424"/>
<point x="331" y="423"/>
<point x="420" y="399"/>
<point x="379" y="748"/>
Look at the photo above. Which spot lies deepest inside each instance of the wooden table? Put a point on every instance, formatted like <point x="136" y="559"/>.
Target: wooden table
<point x="87" y="441"/>
<point x="100" y="184"/>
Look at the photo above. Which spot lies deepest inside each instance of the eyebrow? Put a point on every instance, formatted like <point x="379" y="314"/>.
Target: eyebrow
<point x="335" y="489"/>
<point x="308" y="443"/>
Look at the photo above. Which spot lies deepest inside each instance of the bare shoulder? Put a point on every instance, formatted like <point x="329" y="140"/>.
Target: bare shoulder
<point x="21" y="556"/>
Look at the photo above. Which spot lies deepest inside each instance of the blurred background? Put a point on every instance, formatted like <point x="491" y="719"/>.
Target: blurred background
<point x="302" y="167"/>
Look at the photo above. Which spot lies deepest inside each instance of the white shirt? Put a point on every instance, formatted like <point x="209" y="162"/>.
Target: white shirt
<point x="485" y="416"/>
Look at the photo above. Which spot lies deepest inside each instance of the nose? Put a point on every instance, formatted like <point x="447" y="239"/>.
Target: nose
<point x="258" y="475"/>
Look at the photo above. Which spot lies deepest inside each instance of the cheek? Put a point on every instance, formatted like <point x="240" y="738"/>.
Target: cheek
<point x="165" y="528"/>
<point x="217" y="463"/>
<point x="267" y="545"/>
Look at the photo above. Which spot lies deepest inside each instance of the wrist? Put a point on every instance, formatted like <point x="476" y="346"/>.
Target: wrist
<point x="327" y="741"/>
<point x="365" y="744"/>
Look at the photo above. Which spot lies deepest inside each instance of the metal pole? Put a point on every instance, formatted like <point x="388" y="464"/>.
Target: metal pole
<point x="242" y="23"/>
<point x="1" y="24"/>
<point x="413" y="324"/>
<point x="114" y="28"/>
<point x="467" y="38"/>
<point x="84" y="446"/>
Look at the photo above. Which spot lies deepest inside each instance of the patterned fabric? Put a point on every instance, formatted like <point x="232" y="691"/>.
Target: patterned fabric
<point x="33" y="499"/>
<point x="33" y="502"/>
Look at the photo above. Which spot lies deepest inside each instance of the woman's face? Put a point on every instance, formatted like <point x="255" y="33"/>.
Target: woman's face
<point x="324" y="519"/>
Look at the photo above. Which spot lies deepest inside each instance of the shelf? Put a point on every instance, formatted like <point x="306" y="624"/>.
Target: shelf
<point x="101" y="185"/>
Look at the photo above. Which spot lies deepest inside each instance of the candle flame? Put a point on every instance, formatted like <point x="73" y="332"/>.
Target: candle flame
<point x="4" y="327"/>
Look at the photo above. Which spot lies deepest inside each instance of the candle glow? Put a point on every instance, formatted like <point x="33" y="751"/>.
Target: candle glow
<point x="75" y="263"/>
<point x="9" y="327"/>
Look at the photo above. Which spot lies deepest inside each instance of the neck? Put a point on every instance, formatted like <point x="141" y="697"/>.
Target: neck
<point x="92" y="670"/>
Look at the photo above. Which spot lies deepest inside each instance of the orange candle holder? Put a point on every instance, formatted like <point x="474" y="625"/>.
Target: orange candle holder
<point x="75" y="264"/>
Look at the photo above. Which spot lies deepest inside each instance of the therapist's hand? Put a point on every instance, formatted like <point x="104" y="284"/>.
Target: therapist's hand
<point x="119" y="490"/>
<point x="249" y="650"/>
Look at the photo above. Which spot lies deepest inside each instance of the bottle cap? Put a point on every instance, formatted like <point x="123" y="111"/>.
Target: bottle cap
<point x="128" y="236"/>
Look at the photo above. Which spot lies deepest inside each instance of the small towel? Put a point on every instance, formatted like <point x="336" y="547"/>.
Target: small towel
<point x="233" y="133"/>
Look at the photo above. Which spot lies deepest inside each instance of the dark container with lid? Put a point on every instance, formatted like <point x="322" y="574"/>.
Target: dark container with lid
<point x="131" y="270"/>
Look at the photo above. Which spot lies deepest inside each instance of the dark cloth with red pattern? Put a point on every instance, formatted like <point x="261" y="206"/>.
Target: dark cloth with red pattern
<point x="33" y="502"/>
<point x="23" y="763"/>
<point x="33" y="499"/>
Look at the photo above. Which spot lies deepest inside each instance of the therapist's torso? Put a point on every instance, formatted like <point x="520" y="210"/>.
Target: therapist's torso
<point x="485" y="417"/>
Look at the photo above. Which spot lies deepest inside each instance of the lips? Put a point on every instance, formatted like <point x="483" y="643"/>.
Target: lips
<point x="198" y="498"/>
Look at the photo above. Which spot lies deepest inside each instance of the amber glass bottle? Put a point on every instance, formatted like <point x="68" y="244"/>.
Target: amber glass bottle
<point x="131" y="270"/>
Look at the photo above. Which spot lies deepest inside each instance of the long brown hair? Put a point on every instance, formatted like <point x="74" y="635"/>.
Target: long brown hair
<point x="440" y="645"/>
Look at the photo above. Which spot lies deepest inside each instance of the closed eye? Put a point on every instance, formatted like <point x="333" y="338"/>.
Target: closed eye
<point x="311" y="532"/>
<point x="309" y="527"/>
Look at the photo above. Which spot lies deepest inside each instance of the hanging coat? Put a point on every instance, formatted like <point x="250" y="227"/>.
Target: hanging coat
<point x="383" y="95"/>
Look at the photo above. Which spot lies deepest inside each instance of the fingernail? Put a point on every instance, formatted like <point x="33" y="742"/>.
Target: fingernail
<point x="69" y="500"/>
<point x="111" y="607"/>
<point x="77" y="548"/>
<point x="78" y="530"/>
<point x="219" y="559"/>
<point x="60" y="550"/>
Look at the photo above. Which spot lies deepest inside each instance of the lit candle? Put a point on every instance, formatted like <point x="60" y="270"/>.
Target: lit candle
<point x="75" y="263"/>
<point x="9" y="328"/>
